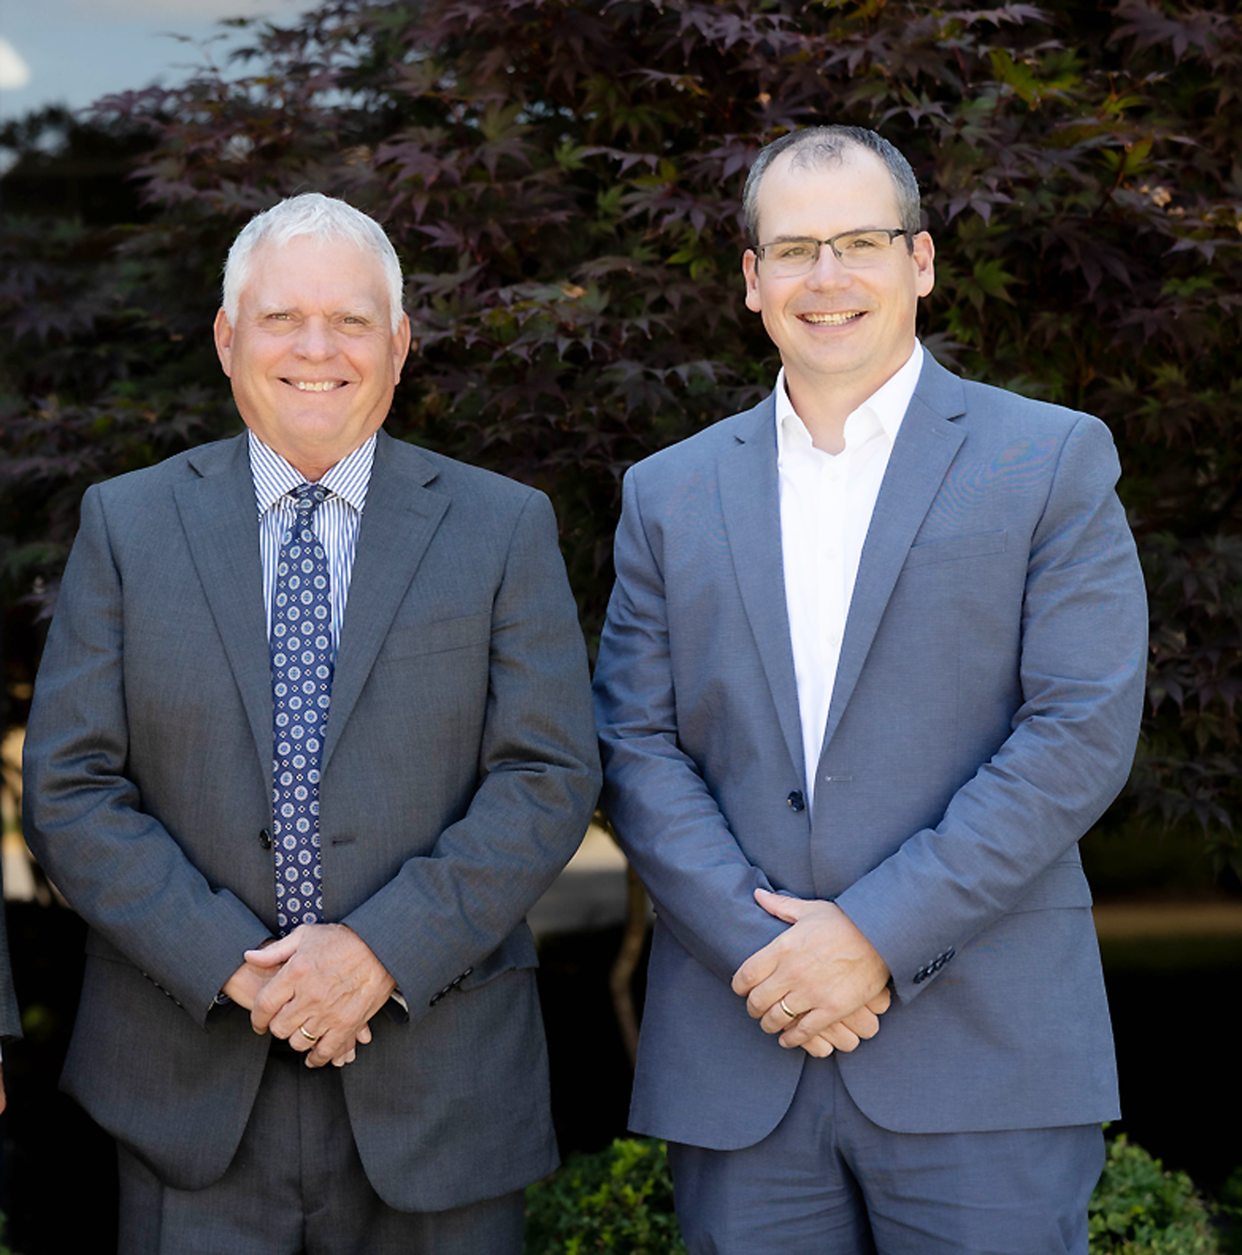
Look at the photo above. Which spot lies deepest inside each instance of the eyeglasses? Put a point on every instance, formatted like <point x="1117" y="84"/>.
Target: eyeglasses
<point x="854" y="249"/>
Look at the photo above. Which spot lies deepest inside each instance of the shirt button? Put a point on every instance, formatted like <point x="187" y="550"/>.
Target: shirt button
<point x="265" y="839"/>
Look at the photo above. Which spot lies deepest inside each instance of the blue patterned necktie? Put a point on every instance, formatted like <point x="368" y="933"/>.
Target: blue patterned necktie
<point x="302" y="665"/>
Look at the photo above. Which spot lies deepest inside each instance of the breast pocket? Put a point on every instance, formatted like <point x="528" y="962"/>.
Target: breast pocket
<point x="955" y="548"/>
<point x="437" y="637"/>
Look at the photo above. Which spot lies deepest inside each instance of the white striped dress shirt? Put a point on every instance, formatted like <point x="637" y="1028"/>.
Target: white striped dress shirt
<point x="826" y="504"/>
<point x="335" y="520"/>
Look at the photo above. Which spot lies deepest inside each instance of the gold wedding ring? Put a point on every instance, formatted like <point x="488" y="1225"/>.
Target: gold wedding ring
<point x="313" y="1040"/>
<point x="793" y="1015"/>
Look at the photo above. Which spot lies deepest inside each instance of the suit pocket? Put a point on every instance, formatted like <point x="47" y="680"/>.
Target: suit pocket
<point x="954" y="548"/>
<point x="438" y="636"/>
<point x="1063" y="884"/>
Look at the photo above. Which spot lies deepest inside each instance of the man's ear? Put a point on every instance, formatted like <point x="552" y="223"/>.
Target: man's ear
<point x="401" y="345"/>
<point x="222" y="330"/>
<point x="750" y="270"/>
<point x="924" y="255"/>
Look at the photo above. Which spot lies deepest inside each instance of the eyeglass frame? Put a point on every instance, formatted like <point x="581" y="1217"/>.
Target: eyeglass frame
<point x="891" y="232"/>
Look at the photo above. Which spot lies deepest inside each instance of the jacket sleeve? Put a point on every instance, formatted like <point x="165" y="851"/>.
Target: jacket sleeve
<point x="538" y="783"/>
<point x="1082" y="672"/>
<point x="674" y="832"/>
<point x="118" y="867"/>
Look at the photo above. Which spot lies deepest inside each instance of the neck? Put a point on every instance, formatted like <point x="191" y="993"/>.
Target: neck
<point x="823" y="411"/>
<point x="824" y="403"/>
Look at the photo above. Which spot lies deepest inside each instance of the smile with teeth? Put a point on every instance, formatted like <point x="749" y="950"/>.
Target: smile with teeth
<point x="325" y="385"/>
<point x="831" y="320"/>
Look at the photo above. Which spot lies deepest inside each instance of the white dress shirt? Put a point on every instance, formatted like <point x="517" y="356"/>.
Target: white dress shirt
<point x="826" y="505"/>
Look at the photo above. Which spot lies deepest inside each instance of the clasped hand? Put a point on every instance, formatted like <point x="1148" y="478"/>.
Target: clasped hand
<point x="832" y="980"/>
<point x="320" y="982"/>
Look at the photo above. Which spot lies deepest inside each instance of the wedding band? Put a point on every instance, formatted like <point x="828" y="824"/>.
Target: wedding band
<point x="309" y="1038"/>
<point x="793" y="1015"/>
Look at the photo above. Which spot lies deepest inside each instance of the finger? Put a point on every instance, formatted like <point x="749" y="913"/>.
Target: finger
<point x="817" y="1022"/>
<point x="818" y="1046"/>
<point x="269" y="1005"/>
<point x="292" y="1015"/>
<point x="881" y="1002"/>
<point x="274" y="955"/>
<point x="754" y="972"/>
<point x="342" y="1060"/>
<point x="837" y="1034"/>
<point x="331" y="1046"/>
<point x="782" y="1014"/>
<point x="780" y="905"/>
<point x="304" y="1038"/>
<point x="864" y="1023"/>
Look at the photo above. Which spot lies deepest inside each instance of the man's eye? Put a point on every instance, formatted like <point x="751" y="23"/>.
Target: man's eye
<point x="859" y="243"/>
<point x="792" y="252"/>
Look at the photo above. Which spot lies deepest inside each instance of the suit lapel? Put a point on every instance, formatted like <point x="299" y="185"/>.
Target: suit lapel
<point x="221" y="525"/>
<point x="398" y="522"/>
<point x="925" y="446"/>
<point x="750" y="502"/>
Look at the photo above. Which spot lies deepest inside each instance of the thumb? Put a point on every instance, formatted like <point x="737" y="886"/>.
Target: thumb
<point x="782" y="907"/>
<point x="275" y="954"/>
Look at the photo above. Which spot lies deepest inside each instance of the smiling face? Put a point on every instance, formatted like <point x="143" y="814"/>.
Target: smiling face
<point x="841" y="333"/>
<point x="313" y="358"/>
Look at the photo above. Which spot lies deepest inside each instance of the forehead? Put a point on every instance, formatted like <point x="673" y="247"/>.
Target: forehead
<point x="803" y="195"/>
<point x="310" y="272"/>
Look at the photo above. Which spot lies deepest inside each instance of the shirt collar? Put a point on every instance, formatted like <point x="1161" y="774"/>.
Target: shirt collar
<point x="887" y="404"/>
<point x="274" y="478"/>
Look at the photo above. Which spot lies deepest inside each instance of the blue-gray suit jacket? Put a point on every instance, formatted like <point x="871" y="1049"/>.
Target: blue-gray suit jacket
<point x="985" y="713"/>
<point x="459" y="773"/>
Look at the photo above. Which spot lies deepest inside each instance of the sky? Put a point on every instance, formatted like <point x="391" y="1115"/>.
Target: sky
<point x="72" y="52"/>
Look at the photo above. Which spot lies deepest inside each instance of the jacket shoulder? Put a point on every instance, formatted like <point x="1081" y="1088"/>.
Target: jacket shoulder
<point x="483" y="489"/>
<point x="173" y="470"/>
<point x="1006" y="409"/>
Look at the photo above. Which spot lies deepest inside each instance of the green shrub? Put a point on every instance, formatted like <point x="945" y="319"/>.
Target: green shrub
<point x="619" y="1200"/>
<point x="1139" y="1209"/>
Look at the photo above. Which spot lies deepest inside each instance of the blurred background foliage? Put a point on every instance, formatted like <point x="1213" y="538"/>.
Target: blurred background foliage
<point x="562" y="179"/>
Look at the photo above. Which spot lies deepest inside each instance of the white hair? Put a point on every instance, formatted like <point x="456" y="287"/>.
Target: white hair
<point x="319" y="217"/>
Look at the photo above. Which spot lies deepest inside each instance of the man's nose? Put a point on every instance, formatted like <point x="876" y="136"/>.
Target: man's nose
<point x="316" y="339"/>
<point x="828" y="270"/>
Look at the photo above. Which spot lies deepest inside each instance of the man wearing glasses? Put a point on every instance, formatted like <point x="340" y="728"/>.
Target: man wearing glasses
<point x="873" y="664"/>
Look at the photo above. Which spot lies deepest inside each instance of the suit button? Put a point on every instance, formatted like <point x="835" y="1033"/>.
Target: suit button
<point x="795" y="801"/>
<point x="265" y="839"/>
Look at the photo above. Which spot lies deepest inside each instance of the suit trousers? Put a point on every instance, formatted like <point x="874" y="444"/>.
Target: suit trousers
<point x="297" y="1187"/>
<point x="828" y="1181"/>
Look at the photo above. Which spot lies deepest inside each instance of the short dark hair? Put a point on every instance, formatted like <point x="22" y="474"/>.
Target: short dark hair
<point x="827" y="145"/>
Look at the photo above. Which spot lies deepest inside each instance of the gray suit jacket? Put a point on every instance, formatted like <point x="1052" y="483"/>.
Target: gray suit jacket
<point x="459" y="773"/>
<point x="985" y="712"/>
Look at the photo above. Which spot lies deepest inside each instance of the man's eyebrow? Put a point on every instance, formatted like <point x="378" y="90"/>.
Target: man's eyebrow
<point x="351" y="311"/>
<point x="786" y="239"/>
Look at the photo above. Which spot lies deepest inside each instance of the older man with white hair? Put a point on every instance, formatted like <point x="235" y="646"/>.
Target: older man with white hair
<point x="311" y="734"/>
